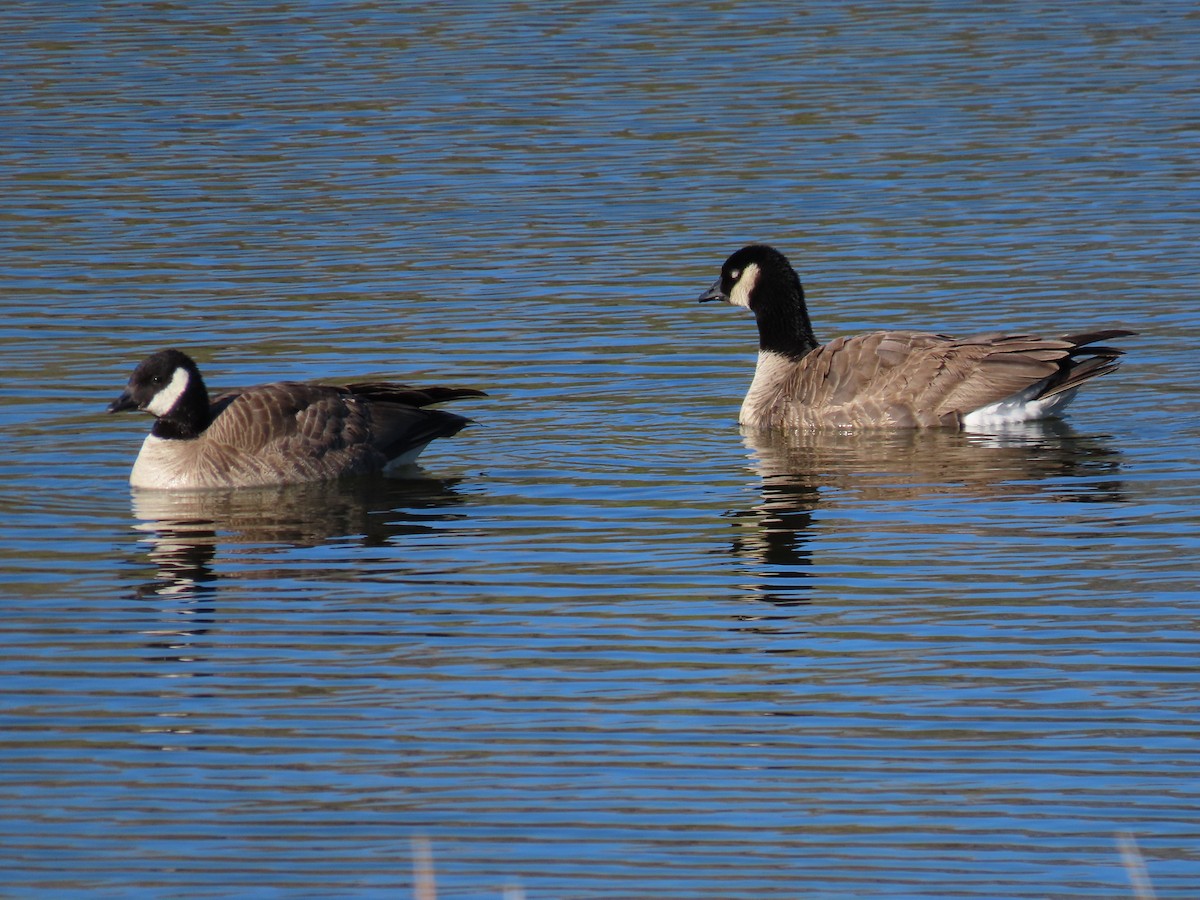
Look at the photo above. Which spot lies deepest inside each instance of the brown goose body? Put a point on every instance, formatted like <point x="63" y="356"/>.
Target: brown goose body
<point x="280" y="433"/>
<point x="896" y="379"/>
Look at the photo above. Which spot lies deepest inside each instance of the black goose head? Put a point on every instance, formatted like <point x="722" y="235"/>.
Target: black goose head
<point x="167" y="384"/>
<point x="761" y="279"/>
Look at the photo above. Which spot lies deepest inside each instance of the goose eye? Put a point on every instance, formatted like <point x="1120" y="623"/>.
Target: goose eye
<point x="735" y="274"/>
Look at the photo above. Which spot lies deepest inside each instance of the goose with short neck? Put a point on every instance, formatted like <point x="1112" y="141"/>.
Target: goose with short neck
<point x="279" y="433"/>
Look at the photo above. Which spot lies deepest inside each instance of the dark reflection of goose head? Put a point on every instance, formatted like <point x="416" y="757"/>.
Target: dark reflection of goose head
<point x="185" y="528"/>
<point x="804" y="473"/>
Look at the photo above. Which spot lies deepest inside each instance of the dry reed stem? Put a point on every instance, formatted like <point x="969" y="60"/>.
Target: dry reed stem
<point x="424" y="886"/>
<point x="1135" y="866"/>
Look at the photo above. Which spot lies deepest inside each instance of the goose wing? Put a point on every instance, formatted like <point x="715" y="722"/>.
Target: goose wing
<point x="290" y="431"/>
<point x="911" y="378"/>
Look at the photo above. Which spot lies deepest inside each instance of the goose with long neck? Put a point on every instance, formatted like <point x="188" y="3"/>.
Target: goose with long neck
<point x="895" y="379"/>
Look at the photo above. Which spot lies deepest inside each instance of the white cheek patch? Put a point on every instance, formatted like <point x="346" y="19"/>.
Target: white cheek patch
<point x="740" y="295"/>
<point x="169" y="395"/>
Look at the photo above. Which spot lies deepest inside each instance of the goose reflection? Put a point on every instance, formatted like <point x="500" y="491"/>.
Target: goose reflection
<point x="184" y="529"/>
<point x="805" y="474"/>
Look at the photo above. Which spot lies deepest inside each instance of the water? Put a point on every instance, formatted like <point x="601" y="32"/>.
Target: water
<point x="604" y="645"/>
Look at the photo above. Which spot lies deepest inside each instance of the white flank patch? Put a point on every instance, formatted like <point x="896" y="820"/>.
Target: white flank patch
<point x="1016" y="409"/>
<point x="408" y="458"/>
<point x="740" y="295"/>
<point x="168" y="396"/>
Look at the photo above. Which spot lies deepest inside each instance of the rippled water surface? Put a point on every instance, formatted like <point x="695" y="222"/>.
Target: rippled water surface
<point x="602" y="644"/>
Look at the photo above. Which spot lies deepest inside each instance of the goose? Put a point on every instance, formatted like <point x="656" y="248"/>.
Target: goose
<point x="895" y="379"/>
<point x="285" y="432"/>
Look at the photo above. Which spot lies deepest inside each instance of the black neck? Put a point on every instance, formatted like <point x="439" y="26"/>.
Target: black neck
<point x="783" y="325"/>
<point x="188" y="418"/>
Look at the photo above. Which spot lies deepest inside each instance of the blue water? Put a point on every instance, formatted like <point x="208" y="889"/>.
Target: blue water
<point x="603" y="645"/>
